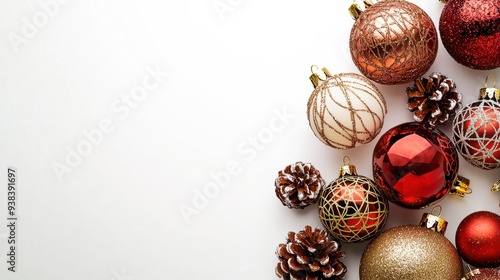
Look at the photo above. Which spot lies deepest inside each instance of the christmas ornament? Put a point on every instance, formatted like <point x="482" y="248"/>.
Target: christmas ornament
<point x="412" y="252"/>
<point x="352" y="208"/>
<point x="476" y="129"/>
<point x="392" y="41"/>
<point x="344" y="110"/>
<point x="496" y="187"/>
<point x="470" y="32"/>
<point x="483" y="274"/>
<point x="433" y="99"/>
<point x="298" y="185"/>
<point x="478" y="239"/>
<point x="416" y="165"/>
<point x="308" y="255"/>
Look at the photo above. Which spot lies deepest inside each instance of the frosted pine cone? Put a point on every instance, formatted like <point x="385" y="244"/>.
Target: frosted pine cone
<point x="309" y="255"/>
<point x="433" y="99"/>
<point x="298" y="185"/>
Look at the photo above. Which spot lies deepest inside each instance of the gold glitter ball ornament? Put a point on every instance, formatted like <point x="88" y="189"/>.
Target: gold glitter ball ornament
<point x="344" y="110"/>
<point x="411" y="252"/>
<point x="352" y="208"/>
<point x="392" y="41"/>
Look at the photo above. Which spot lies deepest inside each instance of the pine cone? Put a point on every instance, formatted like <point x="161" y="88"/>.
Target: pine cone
<point x="298" y="185"/>
<point x="433" y="99"/>
<point x="309" y="255"/>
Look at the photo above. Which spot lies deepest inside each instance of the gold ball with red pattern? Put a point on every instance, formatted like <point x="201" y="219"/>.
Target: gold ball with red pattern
<point x="352" y="208"/>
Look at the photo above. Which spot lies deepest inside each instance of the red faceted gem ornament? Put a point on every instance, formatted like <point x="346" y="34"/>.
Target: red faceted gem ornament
<point x="470" y="32"/>
<point x="414" y="165"/>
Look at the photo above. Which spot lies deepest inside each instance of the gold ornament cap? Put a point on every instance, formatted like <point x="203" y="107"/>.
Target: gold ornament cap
<point x="318" y="76"/>
<point x="471" y="273"/>
<point x="461" y="186"/>
<point x="433" y="222"/>
<point x="490" y="93"/>
<point x="347" y="169"/>
<point x="496" y="187"/>
<point x="355" y="9"/>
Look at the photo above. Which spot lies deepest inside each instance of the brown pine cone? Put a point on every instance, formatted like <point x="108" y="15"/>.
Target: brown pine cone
<point x="309" y="255"/>
<point x="298" y="185"/>
<point x="433" y="99"/>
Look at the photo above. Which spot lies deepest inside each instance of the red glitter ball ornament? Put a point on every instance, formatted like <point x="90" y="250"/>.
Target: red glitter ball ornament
<point x="414" y="165"/>
<point x="478" y="239"/>
<point x="470" y="32"/>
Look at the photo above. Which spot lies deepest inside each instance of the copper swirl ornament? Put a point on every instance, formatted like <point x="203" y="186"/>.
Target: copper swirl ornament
<point x="392" y="41"/>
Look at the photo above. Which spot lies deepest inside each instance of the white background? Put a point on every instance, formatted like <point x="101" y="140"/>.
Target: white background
<point x="115" y="213"/>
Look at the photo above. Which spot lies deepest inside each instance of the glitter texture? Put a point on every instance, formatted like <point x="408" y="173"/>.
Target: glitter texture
<point x="478" y="239"/>
<point x="352" y="209"/>
<point x="476" y="133"/>
<point x="410" y="252"/>
<point x="470" y="32"/>
<point x="483" y="274"/>
<point x="346" y="110"/>
<point x="393" y="42"/>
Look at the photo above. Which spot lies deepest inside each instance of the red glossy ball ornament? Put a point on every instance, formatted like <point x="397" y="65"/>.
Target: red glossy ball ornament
<point x="478" y="239"/>
<point x="470" y="32"/>
<point x="414" y="165"/>
<point x="392" y="41"/>
<point x="476" y="130"/>
<point x="352" y="208"/>
<point x="483" y="274"/>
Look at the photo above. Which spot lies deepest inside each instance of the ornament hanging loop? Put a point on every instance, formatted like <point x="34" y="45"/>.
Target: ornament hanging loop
<point x="439" y="209"/>
<point x="490" y="93"/>
<point x="487" y="78"/>
<point x="355" y="9"/>
<point x="433" y="222"/>
<point x="314" y="69"/>
<point x="347" y="169"/>
<point x="346" y="160"/>
<point x="319" y="75"/>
